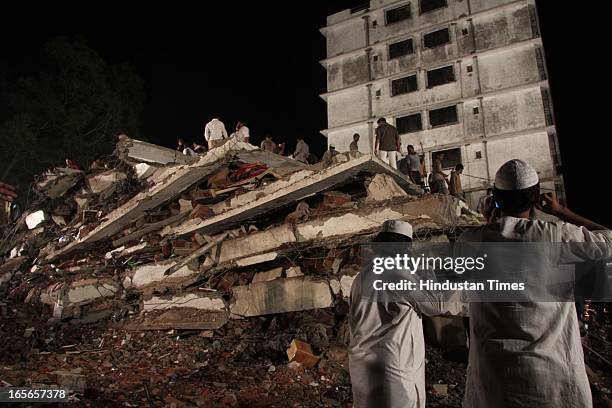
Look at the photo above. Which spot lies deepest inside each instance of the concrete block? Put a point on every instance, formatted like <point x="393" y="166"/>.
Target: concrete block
<point x="99" y="183"/>
<point x="280" y="296"/>
<point x="301" y="352"/>
<point x="35" y="219"/>
<point x="345" y="284"/>
<point x="203" y="301"/>
<point x="383" y="187"/>
<point x="267" y="275"/>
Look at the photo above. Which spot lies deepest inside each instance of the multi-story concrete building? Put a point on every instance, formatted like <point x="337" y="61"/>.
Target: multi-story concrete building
<point x="467" y="77"/>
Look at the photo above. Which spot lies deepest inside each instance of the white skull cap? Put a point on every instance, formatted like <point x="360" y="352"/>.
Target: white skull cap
<point x="398" y="227"/>
<point x="516" y="175"/>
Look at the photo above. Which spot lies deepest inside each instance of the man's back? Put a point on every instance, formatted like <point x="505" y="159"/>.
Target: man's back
<point x="387" y="137"/>
<point x="529" y="354"/>
<point x="215" y="130"/>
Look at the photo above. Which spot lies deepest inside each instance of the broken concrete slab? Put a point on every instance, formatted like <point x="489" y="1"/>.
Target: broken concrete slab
<point x="146" y="229"/>
<point x="346" y="282"/>
<point x="101" y="182"/>
<point x="433" y="212"/>
<point x="253" y="260"/>
<point x="294" y="188"/>
<point x="144" y="170"/>
<point x="335" y="286"/>
<point x="293" y="272"/>
<point x="262" y="241"/>
<point x="136" y="150"/>
<point x="89" y="290"/>
<point x="167" y="184"/>
<point x="280" y="296"/>
<point x="58" y="181"/>
<point x="382" y="187"/>
<point x="152" y="276"/>
<point x="212" y="301"/>
<point x="267" y="276"/>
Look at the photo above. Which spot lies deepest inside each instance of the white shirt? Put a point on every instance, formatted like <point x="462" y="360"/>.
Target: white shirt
<point x="302" y="151"/>
<point x="530" y="354"/>
<point x="241" y="134"/>
<point x="215" y="130"/>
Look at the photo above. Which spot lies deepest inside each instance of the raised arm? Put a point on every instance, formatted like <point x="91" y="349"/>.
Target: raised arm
<point x="551" y="205"/>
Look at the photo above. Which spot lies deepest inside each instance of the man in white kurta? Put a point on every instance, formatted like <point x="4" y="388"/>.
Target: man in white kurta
<point x="530" y="354"/>
<point x="387" y="348"/>
<point x="302" y="151"/>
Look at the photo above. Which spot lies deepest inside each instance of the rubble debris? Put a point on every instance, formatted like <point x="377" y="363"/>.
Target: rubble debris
<point x="72" y="380"/>
<point x="301" y="352"/>
<point x="440" y="389"/>
<point x="101" y="182"/>
<point x="36" y="218"/>
<point x="169" y="280"/>
<point x="57" y="182"/>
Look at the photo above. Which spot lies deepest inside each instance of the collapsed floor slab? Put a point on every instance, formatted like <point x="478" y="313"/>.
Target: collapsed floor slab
<point x="136" y="150"/>
<point x="286" y="191"/>
<point x="167" y="183"/>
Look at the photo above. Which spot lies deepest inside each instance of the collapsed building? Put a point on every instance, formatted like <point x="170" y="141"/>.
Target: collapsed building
<point x="160" y="241"/>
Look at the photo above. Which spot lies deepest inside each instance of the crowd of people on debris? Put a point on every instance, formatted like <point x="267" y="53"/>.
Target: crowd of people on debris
<point x="387" y="147"/>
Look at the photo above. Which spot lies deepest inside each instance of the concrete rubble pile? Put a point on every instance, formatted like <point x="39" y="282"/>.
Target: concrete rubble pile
<point x="155" y="241"/>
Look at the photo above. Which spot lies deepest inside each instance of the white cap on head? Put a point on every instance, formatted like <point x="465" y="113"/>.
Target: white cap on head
<point x="398" y="227"/>
<point x="516" y="175"/>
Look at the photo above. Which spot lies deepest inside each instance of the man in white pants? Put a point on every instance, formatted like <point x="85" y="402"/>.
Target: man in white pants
<point x="387" y="142"/>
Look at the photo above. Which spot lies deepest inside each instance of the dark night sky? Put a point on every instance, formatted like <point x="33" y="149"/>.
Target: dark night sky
<point x="259" y="62"/>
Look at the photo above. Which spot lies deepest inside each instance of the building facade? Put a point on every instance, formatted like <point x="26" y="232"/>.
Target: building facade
<point x="466" y="77"/>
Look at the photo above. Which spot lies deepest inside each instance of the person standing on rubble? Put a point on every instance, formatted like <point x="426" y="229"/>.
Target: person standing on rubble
<point x="302" y="151"/>
<point x="242" y="133"/>
<point x="530" y="354"/>
<point x="183" y="148"/>
<point x="454" y="186"/>
<point x="387" y="142"/>
<point x="387" y="347"/>
<point x="438" y="177"/>
<point x="198" y="148"/>
<point x="354" y="146"/>
<point x="268" y="144"/>
<point x="414" y="165"/>
<point x="214" y="132"/>
<point x="328" y="156"/>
